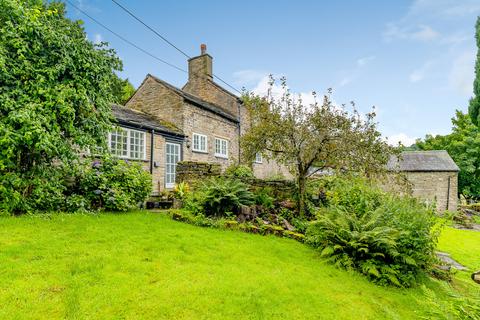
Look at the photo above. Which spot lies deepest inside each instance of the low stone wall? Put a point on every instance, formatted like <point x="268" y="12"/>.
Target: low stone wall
<point x="192" y="170"/>
<point x="282" y="185"/>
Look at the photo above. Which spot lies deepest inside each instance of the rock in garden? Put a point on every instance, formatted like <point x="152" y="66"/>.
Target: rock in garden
<point x="476" y="277"/>
<point x="288" y="226"/>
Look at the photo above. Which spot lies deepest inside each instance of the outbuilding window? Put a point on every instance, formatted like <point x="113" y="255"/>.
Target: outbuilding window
<point x="221" y="148"/>
<point x="258" y="158"/>
<point x="199" y="143"/>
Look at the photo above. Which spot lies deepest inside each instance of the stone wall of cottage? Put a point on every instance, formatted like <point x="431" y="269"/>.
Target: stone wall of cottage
<point x="158" y="173"/>
<point x="434" y="186"/>
<point x="156" y="99"/>
<point x="270" y="169"/>
<point x="200" y="84"/>
<point x="197" y="120"/>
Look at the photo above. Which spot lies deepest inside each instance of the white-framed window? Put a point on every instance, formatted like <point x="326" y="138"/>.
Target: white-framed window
<point x="200" y="143"/>
<point x="127" y="143"/>
<point x="118" y="142"/>
<point x="221" y="148"/>
<point x="258" y="158"/>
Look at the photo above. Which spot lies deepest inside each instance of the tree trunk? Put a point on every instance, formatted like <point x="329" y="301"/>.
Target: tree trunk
<point x="301" y="181"/>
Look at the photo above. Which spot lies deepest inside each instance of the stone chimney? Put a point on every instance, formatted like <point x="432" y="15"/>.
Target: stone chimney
<point x="200" y="66"/>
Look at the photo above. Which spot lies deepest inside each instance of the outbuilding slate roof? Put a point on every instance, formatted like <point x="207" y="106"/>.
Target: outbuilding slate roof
<point x="137" y="119"/>
<point x="423" y="161"/>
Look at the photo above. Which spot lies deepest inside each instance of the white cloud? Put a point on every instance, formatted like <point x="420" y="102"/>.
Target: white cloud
<point x="425" y="33"/>
<point x="248" y="77"/>
<point x="365" y="60"/>
<point x="420" y="32"/>
<point x="462" y="73"/>
<point x="354" y="73"/>
<point x="445" y="8"/>
<point x="420" y="73"/>
<point x="97" y="38"/>
<point x="417" y="23"/>
<point x="346" y="80"/>
<point x="83" y="5"/>
<point x="401" y="137"/>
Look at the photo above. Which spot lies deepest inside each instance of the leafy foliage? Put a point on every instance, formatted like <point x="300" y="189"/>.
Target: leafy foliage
<point x="55" y="94"/>
<point x="239" y="171"/>
<point x="264" y="197"/>
<point x="321" y="135"/>
<point x="474" y="106"/>
<point x="463" y="145"/>
<point x="389" y="239"/>
<point x="122" y="90"/>
<point x="110" y="184"/>
<point x="181" y="190"/>
<point x="217" y="196"/>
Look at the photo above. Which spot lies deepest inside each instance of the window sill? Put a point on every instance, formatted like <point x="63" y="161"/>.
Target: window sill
<point x="131" y="159"/>
<point x="199" y="151"/>
<point x="221" y="156"/>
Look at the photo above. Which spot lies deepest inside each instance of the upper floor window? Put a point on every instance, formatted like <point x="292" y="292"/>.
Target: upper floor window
<point x="221" y="148"/>
<point x="127" y="143"/>
<point x="199" y="142"/>
<point x="258" y="158"/>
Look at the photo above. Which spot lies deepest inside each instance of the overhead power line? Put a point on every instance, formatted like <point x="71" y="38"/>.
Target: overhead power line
<point x="167" y="41"/>
<point x="126" y="40"/>
<point x="151" y="29"/>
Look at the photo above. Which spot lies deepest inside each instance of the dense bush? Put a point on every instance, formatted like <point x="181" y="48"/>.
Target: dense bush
<point x="38" y="190"/>
<point x="264" y="197"/>
<point x="239" y="171"/>
<point x="389" y="239"/>
<point x="110" y="184"/>
<point x="218" y="196"/>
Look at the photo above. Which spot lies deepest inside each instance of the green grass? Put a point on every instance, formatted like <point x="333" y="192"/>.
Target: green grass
<point x="463" y="246"/>
<point x="146" y="266"/>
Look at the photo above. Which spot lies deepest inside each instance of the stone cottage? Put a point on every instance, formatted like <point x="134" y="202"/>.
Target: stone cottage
<point x="433" y="176"/>
<point x="200" y="122"/>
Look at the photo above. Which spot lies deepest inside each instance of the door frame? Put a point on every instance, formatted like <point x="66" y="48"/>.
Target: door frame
<point x="179" y="145"/>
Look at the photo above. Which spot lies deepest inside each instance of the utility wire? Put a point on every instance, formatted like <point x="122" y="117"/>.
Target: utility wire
<point x="170" y="43"/>
<point x="126" y="40"/>
<point x="150" y="28"/>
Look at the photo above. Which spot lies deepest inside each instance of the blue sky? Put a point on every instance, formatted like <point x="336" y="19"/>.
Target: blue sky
<point x="412" y="60"/>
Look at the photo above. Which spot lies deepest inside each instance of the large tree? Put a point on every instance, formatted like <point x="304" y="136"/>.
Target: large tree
<point x="122" y="90"/>
<point x="463" y="145"/>
<point x="474" y="107"/>
<point x="315" y="136"/>
<point x="55" y="94"/>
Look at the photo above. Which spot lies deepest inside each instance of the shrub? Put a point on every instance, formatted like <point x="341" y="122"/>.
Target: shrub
<point x="110" y="184"/>
<point x="239" y="171"/>
<point x="217" y="196"/>
<point x="30" y="192"/>
<point x="262" y="196"/>
<point x="389" y="239"/>
<point x="181" y="190"/>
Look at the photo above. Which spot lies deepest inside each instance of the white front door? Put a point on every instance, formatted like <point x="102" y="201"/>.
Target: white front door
<point x="172" y="156"/>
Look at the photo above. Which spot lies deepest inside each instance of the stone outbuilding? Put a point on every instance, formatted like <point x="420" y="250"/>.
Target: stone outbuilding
<point x="433" y="176"/>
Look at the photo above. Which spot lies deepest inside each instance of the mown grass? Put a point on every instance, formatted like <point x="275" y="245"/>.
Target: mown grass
<point x="145" y="266"/>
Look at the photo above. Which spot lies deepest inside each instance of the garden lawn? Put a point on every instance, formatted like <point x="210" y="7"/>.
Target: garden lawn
<point x="144" y="265"/>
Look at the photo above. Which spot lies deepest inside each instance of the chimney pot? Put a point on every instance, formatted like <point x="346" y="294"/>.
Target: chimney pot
<point x="203" y="48"/>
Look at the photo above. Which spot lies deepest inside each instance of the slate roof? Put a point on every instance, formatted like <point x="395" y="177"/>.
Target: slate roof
<point x="197" y="101"/>
<point x="137" y="119"/>
<point x="423" y="161"/>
